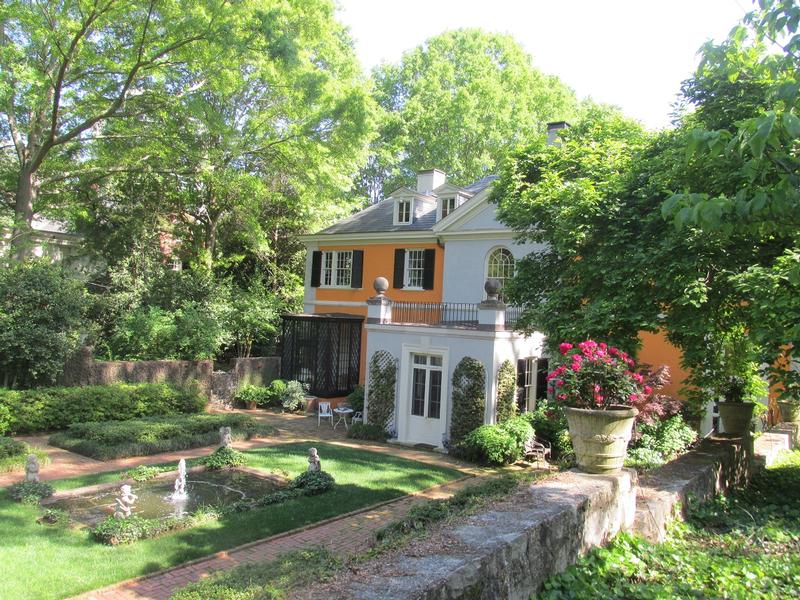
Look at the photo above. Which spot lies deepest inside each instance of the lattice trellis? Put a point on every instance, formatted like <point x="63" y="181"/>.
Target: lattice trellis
<point x="469" y="397"/>
<point x="382" y="389"/>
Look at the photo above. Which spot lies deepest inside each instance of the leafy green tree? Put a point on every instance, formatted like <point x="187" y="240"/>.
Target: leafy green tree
<point x="458" y="102"/>
<point x="68" y="68"/>
<point x="41" y="310"/>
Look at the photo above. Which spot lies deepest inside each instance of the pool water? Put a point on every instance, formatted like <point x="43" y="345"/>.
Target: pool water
<point x="205" y="488"/>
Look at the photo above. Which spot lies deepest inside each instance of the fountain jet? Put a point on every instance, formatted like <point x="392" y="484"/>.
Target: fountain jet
<point x="180" y="483"/>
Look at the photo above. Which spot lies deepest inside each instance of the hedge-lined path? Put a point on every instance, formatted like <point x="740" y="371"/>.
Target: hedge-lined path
<point x="289" y="428"/>
<point x="345" y="536"/>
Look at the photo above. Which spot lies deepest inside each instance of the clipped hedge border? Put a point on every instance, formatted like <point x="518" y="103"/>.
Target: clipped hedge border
<point x="115" y="531"/>
<point x="55" y="408"/>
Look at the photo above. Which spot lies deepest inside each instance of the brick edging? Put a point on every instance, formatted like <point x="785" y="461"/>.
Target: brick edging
<point x="272" y="538"/>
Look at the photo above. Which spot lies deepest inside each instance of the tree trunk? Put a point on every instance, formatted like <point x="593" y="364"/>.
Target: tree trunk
<point x="21" y="238"/>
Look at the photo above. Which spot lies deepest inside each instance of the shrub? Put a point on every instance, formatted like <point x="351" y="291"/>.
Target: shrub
<point x="41" y="310"/>
<point x="10" y="448"/>
<point x="30" y="492"/>
<point x="246" y="394"/>
<point x="660" y="442"/>
<point x="469" y="398"/>
<point x="293" y="396"/>
<point x="5" y="419"/>
<point x="48" y="409"/>
<point x="382" y="384"/>
<point x="137" y="437"/>
<point x="313" y="482"/>
<point x="224" y="457"/>
<point x="365" y="431"/>
<point x="491" y="445"/>
<point x="520" y="429"/>
<point x="356" y="399"/>
<point x="506" y="391"/>
<point x="114" y="531"/>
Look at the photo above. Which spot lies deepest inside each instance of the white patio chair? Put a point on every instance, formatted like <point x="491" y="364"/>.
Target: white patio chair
<point x="324" y="412"/>
<point x="357" y="417"/>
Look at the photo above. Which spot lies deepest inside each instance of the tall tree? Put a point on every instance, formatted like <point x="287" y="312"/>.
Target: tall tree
<point x="459" y="102"/>
<point x="70" y="66"/>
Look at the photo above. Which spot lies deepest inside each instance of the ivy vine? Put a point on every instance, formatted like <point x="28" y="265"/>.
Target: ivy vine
<point x="469" y="398"/>
<point x="381" y="392"/>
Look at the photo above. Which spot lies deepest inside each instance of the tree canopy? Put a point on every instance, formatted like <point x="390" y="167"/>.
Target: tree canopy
<point x="459" y="102"/>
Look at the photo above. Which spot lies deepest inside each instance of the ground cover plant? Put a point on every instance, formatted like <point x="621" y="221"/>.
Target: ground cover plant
<point x="746" y="545"/>
<point x="54" y="408"/>
<point x="152" y="435"/>
<point x="76" y="563"/>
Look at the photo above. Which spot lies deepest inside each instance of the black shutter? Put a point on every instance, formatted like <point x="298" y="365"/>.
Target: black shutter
<point x="399" y="267"/>
<point x="427" y="275"/>
<point x="357" y="273"/>
<point x="521" y="372"/>
<point x="316" y="267"/>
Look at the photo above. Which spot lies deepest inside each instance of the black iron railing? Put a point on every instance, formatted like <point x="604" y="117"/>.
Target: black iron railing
<point x="513" y="314"/>
<point x="452" y="314"/>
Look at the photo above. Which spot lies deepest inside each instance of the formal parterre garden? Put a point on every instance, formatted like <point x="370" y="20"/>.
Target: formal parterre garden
<point x="60" y="560"/>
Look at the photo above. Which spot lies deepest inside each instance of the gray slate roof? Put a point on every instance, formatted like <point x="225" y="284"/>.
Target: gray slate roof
<point x="380" y="217"/>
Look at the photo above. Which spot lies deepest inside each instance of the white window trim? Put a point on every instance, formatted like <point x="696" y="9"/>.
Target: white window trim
<point x="334" y="270"/>
<point x="457" y="200"/>
<point x="426" y="401"/>
<point x="397" y="220"/>
<point x="406" y="284"/>
<point x="489" y="256"/>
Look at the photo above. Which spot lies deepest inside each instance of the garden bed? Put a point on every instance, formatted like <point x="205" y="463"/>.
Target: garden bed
<point x="14" y="454"/>
<point x="76" y="563"/>
<point x="153" y="435"/>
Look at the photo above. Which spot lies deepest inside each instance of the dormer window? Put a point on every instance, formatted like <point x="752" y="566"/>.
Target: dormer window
<point x="449" y="205"/>
<point x="403" y="212"/>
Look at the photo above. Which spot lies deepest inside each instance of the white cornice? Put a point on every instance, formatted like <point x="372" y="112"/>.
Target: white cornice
<point x="377" y="237"/>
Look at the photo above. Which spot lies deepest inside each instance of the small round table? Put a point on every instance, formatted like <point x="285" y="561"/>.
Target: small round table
<point x="342" y="412"/>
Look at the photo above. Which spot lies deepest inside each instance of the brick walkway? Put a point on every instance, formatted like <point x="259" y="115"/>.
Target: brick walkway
<point x="345" y="536"/>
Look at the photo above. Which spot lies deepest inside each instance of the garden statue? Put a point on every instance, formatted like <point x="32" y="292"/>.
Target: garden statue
<point x="125" y="502"/>
<point x="225" y="439"/>
<point x="32" y="468"/>
<point x="314" y="465"/>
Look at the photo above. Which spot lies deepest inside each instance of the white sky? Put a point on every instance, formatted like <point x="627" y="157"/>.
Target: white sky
<point x="632" y="53"/>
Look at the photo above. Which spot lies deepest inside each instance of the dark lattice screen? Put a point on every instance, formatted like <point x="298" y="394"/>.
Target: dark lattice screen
<point x="323" y="351"/>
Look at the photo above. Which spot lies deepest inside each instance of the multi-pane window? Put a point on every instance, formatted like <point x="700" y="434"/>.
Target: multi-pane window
<point x="426" y="386"/>
<point x="500" y="266"/>
<point x="415" y="269"/>
<point x="449" y="205"/>
<point x="337" y="268"/>
<point x="404" y="211"/>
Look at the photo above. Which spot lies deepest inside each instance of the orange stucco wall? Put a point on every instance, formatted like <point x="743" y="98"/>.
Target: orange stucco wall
<point x="379" y="262"/>
<point x="656" y="351"/>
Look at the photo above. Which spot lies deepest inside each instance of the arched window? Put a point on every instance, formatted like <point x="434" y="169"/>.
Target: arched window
<point x="500" y="266"/>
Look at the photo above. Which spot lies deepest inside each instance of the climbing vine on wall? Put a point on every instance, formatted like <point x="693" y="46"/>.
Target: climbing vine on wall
<point x="469" y="398"/>
<point x="382" y="386"/>
<point x="506" y="391"/>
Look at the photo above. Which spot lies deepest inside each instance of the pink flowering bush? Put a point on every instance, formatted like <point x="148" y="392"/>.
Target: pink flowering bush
<point x="597" y="376"/>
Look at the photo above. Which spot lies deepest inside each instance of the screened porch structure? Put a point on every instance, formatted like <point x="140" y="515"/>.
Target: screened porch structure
<point x="323" y="351"/>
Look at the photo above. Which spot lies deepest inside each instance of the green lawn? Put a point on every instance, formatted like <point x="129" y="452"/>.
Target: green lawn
<point x="50" y="562"/>
<point x="744" y="546"/>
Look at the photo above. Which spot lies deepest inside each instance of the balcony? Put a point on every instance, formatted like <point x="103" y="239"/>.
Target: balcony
<point x="460" y="315"/>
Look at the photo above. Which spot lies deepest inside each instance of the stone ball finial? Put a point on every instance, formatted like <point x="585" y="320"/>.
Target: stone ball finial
<point x="492" y="287"/>
<point x="381" y="285"/>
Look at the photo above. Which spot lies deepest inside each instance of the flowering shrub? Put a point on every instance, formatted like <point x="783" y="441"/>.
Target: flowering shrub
<point x="596" y="376"/>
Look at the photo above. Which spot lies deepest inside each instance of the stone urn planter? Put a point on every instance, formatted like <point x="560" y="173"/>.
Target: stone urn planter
<point x="736" y="417"/>
<point x="600" y="437"/>
<point x="790" y="411"/>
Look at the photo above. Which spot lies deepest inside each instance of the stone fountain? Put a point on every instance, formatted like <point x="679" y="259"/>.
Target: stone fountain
<point x="180" y="483"/>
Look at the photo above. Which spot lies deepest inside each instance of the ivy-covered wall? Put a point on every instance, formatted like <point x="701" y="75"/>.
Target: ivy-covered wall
<point x="506" y="392"/>
<point x="469" y="398"/>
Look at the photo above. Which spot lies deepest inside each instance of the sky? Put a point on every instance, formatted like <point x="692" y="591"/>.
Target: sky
<point x="631" y="53"/>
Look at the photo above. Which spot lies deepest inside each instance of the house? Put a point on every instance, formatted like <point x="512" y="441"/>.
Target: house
<point x="435" y="247"/>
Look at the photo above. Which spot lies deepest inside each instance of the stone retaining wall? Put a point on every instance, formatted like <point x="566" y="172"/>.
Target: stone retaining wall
<point x="513" y="551"/>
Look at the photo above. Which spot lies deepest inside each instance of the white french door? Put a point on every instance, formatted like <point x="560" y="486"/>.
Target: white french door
<point x="426" y="418"/>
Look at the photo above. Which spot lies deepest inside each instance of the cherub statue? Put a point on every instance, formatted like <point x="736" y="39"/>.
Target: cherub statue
<point x="125" y="502"/>
<point x="32" y="468"/>
<point x="313" y="461"/>
<point x="225" y="437"/>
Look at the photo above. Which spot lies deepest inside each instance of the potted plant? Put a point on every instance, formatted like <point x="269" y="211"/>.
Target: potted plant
<point x="735" y="413"/>
<point x="596" y="385"/>
<point x="789" y="402"/>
